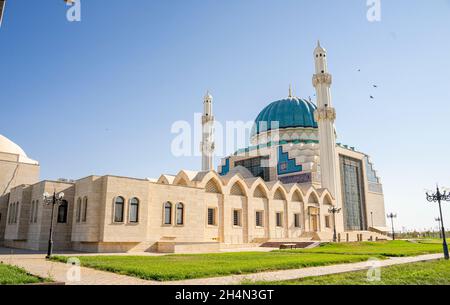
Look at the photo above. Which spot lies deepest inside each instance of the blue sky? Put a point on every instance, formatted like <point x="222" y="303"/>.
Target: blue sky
<point x="99" y="96"/>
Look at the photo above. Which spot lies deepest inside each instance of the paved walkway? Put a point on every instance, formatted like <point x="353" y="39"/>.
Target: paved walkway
<point x="37" y="264"/>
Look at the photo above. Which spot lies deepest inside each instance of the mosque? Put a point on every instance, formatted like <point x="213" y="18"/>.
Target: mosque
<point x="282" y="188"/>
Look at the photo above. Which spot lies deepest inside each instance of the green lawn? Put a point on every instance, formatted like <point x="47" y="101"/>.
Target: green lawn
<point x="11" y="275"/>
<point x="427" y="273"/>
<point x="189" y="266"/>
<point x="383" y="248"/>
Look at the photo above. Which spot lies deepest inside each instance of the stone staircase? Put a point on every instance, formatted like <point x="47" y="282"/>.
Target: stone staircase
<point x="144" y="247"/>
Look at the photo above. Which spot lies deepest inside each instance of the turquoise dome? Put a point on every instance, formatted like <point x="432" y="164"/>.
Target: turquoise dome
<point x="290" y="113"/>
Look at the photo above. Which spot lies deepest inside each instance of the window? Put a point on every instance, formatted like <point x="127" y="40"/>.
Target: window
<point x="134" y="210"/>
<point x="211" y="217"/>
<point x="118" y="209"/>
<point x="32" y="211"/>
<point x="259" y="218"/>
<point x="327" y="221"/>
<point x="167" y="213"/>
<point x="36" y="209"/>
<point x="16" y="211"/>
<point x="354" y="202"/>
<point x="84" y="212"/>
<point x="180" y="214"/>
<point x="297" y="220"/>
<point x="237" y="217"/>
<point x="279" y="219"/>
<point x="62" y="212"/>
<point x="9" y="213"/>
<point x="78" y="209"/>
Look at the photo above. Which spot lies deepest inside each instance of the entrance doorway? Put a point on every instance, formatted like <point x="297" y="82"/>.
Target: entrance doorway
<point x="314" y="223"/>
<point x="313" y="219"/>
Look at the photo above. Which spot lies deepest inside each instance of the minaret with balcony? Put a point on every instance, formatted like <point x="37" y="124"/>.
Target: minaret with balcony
<point x="207" y="144"/>
<point x="325" y="115"/>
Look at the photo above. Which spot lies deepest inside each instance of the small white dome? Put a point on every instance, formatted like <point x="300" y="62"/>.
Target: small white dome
<point x="9" y="147"/>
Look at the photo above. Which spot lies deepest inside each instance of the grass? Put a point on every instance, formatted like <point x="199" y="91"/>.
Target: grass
<point x="189" y="266"/>
<point x="426" y="273"/>
<point x="11" y="275"/>
<point x="382" y="248"/>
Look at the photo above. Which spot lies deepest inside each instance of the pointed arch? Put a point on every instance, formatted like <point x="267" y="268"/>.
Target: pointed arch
<point x="275" y="187"/>
<point x="327" y="199"/>
<point x="260" y="192"/>
<point x="313" y="197"/>
<point x="204" y="177"/>
<point x="182" y="182"/>
<point x="237" y="189"/>
<point x="297" y="196"/>
<point x="166" y="179"/>
<point x="233" y="189"/>
<point x="258" y="189"/>
<point x="213" y="186"/>
<point x="183" y="178"/>
<point x="279" y="194"/>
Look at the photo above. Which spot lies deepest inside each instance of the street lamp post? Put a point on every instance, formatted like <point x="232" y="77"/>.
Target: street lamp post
<point x="438" y="197"/>
<point x="52" y="200"/>
<point x="334" y="211"/>
<point x="392" y="216"/>
<point x="439" y="224"/>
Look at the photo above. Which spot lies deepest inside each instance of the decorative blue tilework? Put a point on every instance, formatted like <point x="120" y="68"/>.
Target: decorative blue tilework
<point x="286" y="165"/>
<point x="225" y="169"/>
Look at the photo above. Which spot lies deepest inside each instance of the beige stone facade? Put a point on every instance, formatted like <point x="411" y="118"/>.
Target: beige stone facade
<point x="234" y="200"/>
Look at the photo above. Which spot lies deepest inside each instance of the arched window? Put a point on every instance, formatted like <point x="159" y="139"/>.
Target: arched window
<point x="180" y="214"/>
<point x="118" y="209"/>
<point x="167" y="213"/>
<point x="62" y="212"/>
<point x="84" y="212"/>
<point x="78" y="210"/>
<point x="134" y="210"/>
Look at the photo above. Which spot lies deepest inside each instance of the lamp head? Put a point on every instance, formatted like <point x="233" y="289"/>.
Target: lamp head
<point x="61" y="195"/>
<point x="46" y="195"/>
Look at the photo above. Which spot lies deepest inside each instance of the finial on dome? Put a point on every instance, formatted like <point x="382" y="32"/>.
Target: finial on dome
<point x="208" y="95"/>
<point x="290" y="91"/>
<point x="319" y="47"/>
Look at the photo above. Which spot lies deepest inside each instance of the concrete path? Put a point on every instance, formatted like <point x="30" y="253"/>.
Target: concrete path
<point x="37" y="264"/>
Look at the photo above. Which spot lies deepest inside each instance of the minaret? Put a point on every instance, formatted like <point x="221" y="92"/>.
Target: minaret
<point x="325" y="115"/>
<point x="207" y="144"/>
